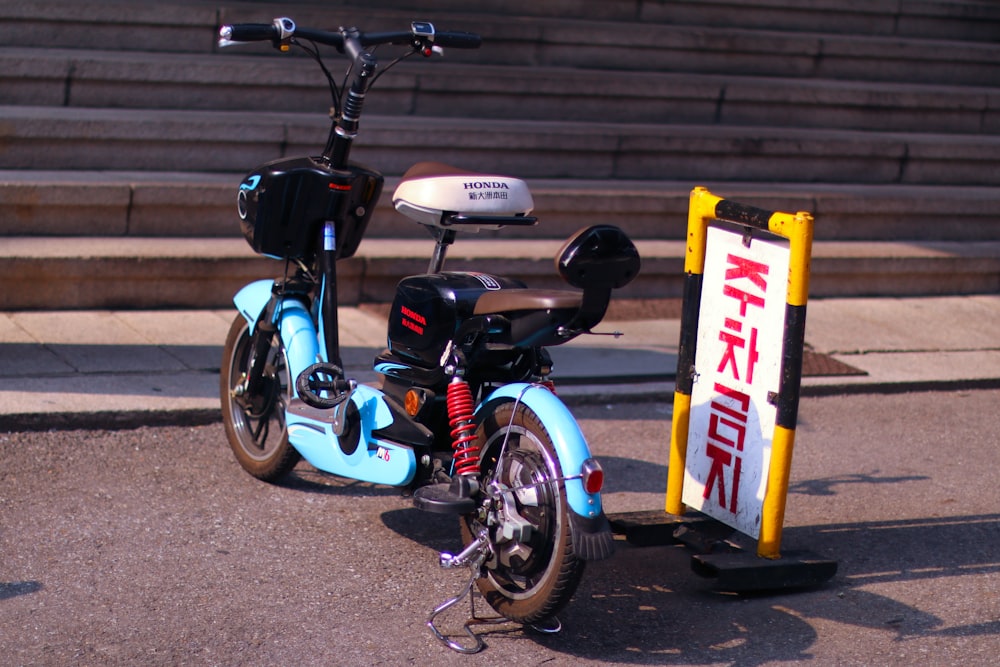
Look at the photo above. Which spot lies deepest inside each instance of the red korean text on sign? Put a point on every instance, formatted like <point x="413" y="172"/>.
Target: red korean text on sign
<point x="729" y="413"/>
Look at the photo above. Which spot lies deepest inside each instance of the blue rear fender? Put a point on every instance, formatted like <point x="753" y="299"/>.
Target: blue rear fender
<point x="571" y="447"/>
<point x="591" y="531"/>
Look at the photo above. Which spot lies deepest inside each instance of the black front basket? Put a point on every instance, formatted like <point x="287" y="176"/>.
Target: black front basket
<point x="283" y="204"/>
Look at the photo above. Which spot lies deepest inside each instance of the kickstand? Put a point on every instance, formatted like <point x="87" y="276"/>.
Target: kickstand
<point x="474" y="556"/>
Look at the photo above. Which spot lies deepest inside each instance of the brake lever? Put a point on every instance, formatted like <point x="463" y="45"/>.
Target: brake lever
<point x="423" y="37"/>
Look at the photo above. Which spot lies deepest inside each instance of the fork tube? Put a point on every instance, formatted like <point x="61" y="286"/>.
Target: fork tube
<point x="262" y="336"/>
<point x="328" y="294"/>
<point x="346" y="127"/>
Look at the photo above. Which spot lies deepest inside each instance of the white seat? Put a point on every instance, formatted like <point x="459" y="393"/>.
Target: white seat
<point x="429" y="190"/>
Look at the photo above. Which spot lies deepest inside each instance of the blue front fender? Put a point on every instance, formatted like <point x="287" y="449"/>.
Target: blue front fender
<point x="298" y="332"/>
<point x="571" y="447"/>
<point x="253" y="298"/>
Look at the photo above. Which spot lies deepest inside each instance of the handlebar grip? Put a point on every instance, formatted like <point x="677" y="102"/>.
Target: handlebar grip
<point x="458" y="40"/>
<point x="248" y="32"/>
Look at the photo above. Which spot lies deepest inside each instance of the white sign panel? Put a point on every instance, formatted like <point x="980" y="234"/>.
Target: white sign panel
<point x="737" y="363"/>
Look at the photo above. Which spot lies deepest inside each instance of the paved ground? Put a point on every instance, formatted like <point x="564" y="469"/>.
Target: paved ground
<point x="151" y="546"/>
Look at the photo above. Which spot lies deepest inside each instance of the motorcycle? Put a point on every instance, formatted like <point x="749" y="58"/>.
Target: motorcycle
<point x="465" y="415"/>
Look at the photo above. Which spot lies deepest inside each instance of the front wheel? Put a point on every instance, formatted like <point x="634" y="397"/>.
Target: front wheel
<point x="532" y="572"/>
<point x="255" y="421"/>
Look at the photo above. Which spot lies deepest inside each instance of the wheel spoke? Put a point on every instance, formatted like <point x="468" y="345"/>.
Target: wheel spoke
<point x="527" y="482"/>
<point x="519" y="550"/>
<point x="254" y="422"/>
<point x="522" y="531"/>
<point x="533" y="571"/>
<point x="262" y="427"/>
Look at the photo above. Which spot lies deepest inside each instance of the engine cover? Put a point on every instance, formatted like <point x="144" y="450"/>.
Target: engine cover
<point x="428" y="309"/>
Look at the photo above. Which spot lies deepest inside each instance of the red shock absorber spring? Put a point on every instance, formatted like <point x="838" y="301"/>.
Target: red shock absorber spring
<point x="463" y="432"/>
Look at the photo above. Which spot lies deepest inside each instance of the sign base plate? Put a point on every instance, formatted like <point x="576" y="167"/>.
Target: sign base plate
<point x="730" y="568"/>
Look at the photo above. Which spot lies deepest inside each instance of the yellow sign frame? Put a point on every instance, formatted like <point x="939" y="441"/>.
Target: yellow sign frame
<point x="705" y="208"/>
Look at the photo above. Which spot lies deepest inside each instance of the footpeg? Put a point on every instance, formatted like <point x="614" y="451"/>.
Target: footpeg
<point x="327" y="379"/>
<point x="458" y="497"/>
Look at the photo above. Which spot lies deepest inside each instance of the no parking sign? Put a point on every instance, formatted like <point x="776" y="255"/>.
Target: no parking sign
<point x="739" y="365"/>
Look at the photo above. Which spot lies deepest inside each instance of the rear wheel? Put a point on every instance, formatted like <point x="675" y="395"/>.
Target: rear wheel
<point x="255" y="423"/>
<point x="533" y="571"/>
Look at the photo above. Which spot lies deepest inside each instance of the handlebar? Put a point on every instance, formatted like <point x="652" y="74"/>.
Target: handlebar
<point x="421" y="35"/>
<point x="458" y="40"/>
<point x="348" y="100"/>
<point x="246" y="32"/>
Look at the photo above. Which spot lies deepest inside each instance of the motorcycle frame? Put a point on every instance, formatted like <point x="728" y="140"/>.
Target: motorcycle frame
<point x="308" y="326"/>
<point x="300" y="337"/>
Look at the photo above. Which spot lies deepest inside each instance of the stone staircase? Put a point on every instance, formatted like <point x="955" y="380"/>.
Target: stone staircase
<point x="124" y="132"/>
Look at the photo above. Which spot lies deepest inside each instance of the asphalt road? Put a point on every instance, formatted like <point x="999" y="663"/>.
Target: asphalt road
<point x="151" y="547"/>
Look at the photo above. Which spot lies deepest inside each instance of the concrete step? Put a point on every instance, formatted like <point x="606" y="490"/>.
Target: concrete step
<point x="178" y="25"/>
<point x="880" y="117"/>
<point x="202" y="205"/>
<point x="641" y="44"/>
<point x="766" y="53"/>
<point x="117" y="139"/>
<point x="82" y="78"/>
<point x="934" y="19"/>
<point x="87" y="273"/>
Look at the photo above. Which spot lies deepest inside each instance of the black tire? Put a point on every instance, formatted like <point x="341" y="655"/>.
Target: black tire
<point x="255" y="425"/>
<point x="527" y="580"/>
